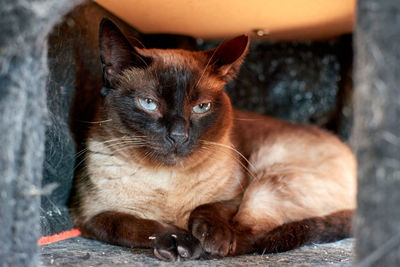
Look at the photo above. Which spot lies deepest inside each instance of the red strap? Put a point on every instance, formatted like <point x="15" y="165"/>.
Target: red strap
<point x="44" y="240"/>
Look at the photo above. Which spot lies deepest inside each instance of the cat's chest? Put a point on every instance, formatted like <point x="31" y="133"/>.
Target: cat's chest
<point x="158" y="195"/>
<point x="164" y="195"/>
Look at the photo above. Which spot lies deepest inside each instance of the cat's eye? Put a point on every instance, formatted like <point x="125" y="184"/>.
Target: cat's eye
<point x="148" y="104"/>
<point x="202" y="108"/>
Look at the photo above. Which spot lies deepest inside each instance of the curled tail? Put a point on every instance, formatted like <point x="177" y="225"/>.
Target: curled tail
<point x="329" y="228"/>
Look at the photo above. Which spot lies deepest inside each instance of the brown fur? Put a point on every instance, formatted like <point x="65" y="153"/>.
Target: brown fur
<point x="251" y="180"/>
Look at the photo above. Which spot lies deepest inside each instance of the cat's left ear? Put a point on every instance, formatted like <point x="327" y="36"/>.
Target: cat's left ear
<point x="116" y="53"/>
<point x="228" y="57"/>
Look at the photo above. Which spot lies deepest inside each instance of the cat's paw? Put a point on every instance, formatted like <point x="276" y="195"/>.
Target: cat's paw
<point x="176" y="246"/>
<point x="216" y="238"/>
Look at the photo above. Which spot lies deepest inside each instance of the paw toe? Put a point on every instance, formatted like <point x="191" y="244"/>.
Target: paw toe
<point x="164" y="255"/>
<point x="171" y="247"/>
<point x="215" y="238"/>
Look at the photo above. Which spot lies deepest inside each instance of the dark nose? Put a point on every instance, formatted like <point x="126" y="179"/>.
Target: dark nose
<point x="178" y="131"/>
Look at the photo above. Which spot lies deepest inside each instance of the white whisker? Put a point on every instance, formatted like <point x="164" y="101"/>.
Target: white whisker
<point x="213" y="156"/>
<point x="250" y="172"/>
<point x="231" y="148"/>
<point x="128" y="142"/>
<point x="96" y="122"/>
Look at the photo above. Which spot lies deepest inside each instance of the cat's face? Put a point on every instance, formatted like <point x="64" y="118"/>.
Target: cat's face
<point x="170" y="101"/>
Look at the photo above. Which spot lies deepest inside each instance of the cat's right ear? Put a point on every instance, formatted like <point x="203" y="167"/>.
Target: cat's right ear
<point x="227" y="58"/>
<point x="116" y="53"/>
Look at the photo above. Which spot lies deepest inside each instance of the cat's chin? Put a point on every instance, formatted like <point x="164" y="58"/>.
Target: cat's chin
<point x="171" y="160"/>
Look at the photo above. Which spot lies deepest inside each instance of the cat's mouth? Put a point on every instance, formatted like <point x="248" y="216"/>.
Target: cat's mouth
<point x="171" y="156"/>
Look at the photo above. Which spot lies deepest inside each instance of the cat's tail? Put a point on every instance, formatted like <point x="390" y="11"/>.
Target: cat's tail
<point x="329" y="228"/>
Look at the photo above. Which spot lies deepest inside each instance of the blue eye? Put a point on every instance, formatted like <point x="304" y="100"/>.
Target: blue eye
<point x="202" y="108"/>
<point x="148" y="104"/>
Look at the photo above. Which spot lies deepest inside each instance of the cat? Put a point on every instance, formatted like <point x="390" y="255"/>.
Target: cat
<point x="171" y="166"/>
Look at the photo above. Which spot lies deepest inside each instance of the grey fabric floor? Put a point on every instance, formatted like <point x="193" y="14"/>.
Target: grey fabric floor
<point x="83" y="252"/>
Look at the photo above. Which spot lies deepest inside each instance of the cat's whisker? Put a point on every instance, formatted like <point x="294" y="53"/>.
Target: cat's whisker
<point x="122" y="150"/>
<point x="245" y="168"/>
<point x="98" y="144"/>
<point x="231" y="148"/>
<point x="109" y="144"/>
<point x="213" y="156"/>
<point x="122" y="146"/>
<point x="95" y="122"/>
<point x="151" y="155"/>
<point x="250" y="172"/>
<point x="80" y="162"/>
<point x="292" y="170"/>
<point x="105" y="142"/>
<point x="125" y="138"/>
<point x="242" y="119"/>
<point x="132" y="143"/>
<point x="81" y="152"/>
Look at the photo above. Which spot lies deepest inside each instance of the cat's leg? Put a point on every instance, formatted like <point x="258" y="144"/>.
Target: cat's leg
<point x="323" y="229"/>
<point x="276" y="213"/>
<point x="168" y="241"/>
<point x="211" y="224"/>
<point x="293" y="208"/>
<point x="219" y="236"/>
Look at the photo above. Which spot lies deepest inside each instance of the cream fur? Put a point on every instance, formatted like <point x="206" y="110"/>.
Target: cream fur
<point x="163" y="194"/>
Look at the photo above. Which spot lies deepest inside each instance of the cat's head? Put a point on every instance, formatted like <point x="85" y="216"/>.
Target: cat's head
<point x="170" y="101"/>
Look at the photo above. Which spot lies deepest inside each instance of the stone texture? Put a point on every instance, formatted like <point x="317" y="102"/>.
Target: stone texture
<point x="376" y="134"/>
<point x="24" y="27"/>
<point x="84" y="252"/>
<point x="69" y="43"/>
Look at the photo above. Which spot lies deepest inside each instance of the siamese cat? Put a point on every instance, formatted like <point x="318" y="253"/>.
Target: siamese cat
<point x="171" y="166"/>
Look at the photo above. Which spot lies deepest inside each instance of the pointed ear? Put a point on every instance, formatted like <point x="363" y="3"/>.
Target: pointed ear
<point x="116" y="53"/>
<point x="228" y="57"/>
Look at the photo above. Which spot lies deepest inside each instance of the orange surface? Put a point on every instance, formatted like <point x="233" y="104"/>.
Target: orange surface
<point x="44" y="240"/>
<point x="281" y="19"/>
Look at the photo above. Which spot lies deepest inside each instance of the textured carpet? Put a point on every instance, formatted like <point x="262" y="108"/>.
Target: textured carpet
<point x="84" y="252"/>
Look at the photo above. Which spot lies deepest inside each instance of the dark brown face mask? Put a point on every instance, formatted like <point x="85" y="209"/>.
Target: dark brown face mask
<point x="173" y="99"/>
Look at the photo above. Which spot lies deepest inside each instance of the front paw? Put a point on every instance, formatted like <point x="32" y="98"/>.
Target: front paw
<point x="216" y="237"/>
<point x="174" y="246"/>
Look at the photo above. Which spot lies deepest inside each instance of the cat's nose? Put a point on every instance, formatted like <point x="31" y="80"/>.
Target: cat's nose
<point x="178" y="137"/>
<point x="178" y="132"/>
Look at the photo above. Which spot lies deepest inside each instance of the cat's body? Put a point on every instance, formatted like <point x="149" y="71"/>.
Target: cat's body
<point x="181" y="175"/>
<point x="123" y="184"/>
